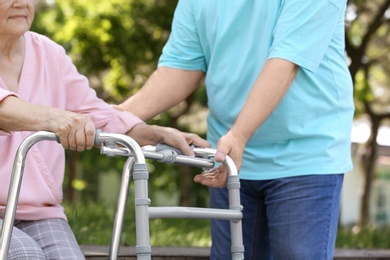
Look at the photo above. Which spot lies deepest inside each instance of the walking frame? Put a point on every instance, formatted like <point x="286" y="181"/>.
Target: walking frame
<point x="113" y="144"/>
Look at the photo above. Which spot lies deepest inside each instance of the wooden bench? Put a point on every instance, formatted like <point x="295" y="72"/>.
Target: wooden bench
<point x="202" y="253"/>
<point x="158" y="253"/>
<point x="372" y="254"/>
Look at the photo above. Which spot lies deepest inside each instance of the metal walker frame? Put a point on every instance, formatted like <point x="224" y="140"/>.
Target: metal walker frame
<point x="135" y="167"/>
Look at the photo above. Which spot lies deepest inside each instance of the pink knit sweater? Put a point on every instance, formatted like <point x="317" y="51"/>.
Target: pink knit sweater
<point x="49" y="78"/>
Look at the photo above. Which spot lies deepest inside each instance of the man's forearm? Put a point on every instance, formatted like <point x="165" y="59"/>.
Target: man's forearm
<point x="268" y="90"/>
<point x="165" y="88"/>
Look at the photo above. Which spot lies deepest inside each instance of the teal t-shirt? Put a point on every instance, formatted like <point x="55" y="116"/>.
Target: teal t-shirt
<point x="309" y="131"/>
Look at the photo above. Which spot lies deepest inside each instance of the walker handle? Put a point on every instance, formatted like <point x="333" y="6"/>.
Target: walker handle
<point x="164" y="147"/>
<point x="97" y="137"/>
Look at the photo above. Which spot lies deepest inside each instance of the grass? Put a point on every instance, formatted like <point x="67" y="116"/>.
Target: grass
<point x="92" y="224"/>
<point x="369" y="238"/>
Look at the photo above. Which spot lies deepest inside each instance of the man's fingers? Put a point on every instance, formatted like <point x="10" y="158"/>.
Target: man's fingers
<point x="210" y="182"/>
<point x="197" y="141"/>
<point x="187" y="150"/>
<point x="223" y="149"/>
<point x="220" y="156"/>
<point x="214" y="178"/>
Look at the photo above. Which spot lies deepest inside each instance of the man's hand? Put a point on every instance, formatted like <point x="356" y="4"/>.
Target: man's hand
<point x="214" y="178"/>
<point x="145" y="134"/>
<point x="228" y="144"/>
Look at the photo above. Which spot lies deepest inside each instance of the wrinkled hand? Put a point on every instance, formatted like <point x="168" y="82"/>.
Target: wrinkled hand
<point x="75" y="131"/>
<point x="227" y="145"/>
<point x="145" y="134"/>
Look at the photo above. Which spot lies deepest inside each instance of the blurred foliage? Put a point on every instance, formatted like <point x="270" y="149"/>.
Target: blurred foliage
<point x="370" y="237"/>
<point x="368" y="46"/>
<point x="117" y="44"/>
<point x="92" y="224"/>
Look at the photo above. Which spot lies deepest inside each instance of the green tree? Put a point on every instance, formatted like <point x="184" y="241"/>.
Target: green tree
<point x="117" y="44"/>
<point x="368" y="45"/>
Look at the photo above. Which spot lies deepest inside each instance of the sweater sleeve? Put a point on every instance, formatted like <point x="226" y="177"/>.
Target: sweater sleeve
<point x="3" y="94"/>
<point x="81" y="98"/>
<point x="6" y="93"/>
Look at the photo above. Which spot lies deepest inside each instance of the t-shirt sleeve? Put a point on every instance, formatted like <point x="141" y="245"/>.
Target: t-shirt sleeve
<point x="304" y="31"/>
<point x="183" y="49"/>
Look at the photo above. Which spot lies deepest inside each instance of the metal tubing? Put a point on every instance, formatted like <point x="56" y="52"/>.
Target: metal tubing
<point x="194" y="212"/>
<point x="144" y="212"/>
<point x="150" y="153"/>
<point x="234" y="213"/>
<point x="237" y="248"/>
<point x="121" y="209"/>
<point x="125" y="140"/>
<point x="142" y="201"/>
<point x="14" y="190"/>
<point x="17" y="174"/>
<point x="140" y="175"/>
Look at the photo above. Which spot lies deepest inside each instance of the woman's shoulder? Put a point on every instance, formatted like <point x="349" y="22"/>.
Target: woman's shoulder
<point x="41" y="41"/>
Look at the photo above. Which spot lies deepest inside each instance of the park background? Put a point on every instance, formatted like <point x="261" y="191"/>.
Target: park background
<point x="116" y="44"/>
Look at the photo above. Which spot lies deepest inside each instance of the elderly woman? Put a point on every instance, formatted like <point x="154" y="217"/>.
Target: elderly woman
<point x="40" y="89"/>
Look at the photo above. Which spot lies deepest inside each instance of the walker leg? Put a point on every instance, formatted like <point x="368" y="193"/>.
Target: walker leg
<point x="237" y="247"/>
<point x="121" y="209"/>
<point x="142" y="202"/>
<point x="14" y="188"/>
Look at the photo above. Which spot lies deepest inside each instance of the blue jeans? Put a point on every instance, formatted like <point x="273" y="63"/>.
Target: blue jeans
<point x="290" y="218"/>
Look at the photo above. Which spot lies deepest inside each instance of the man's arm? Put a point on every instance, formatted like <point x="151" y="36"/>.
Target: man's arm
<point x="267" y="92"/>
<point x="165" y="88"/>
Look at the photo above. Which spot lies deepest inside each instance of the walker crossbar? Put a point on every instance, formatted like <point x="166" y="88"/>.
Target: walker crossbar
<point x="122" y="145"/>
<point x="163" y="156"/>
<point x="193" y="212"/>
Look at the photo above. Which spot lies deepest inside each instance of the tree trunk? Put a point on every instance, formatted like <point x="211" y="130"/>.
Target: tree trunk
<point x="368" y="160"/>
<point x="72" y="166"/>
<point x="186" y="193"/>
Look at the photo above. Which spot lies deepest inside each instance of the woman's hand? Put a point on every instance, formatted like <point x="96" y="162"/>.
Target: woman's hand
<point x="75" y="131"/>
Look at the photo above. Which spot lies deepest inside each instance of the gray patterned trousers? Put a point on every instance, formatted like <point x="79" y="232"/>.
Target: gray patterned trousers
<point x="43" y="239"/>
